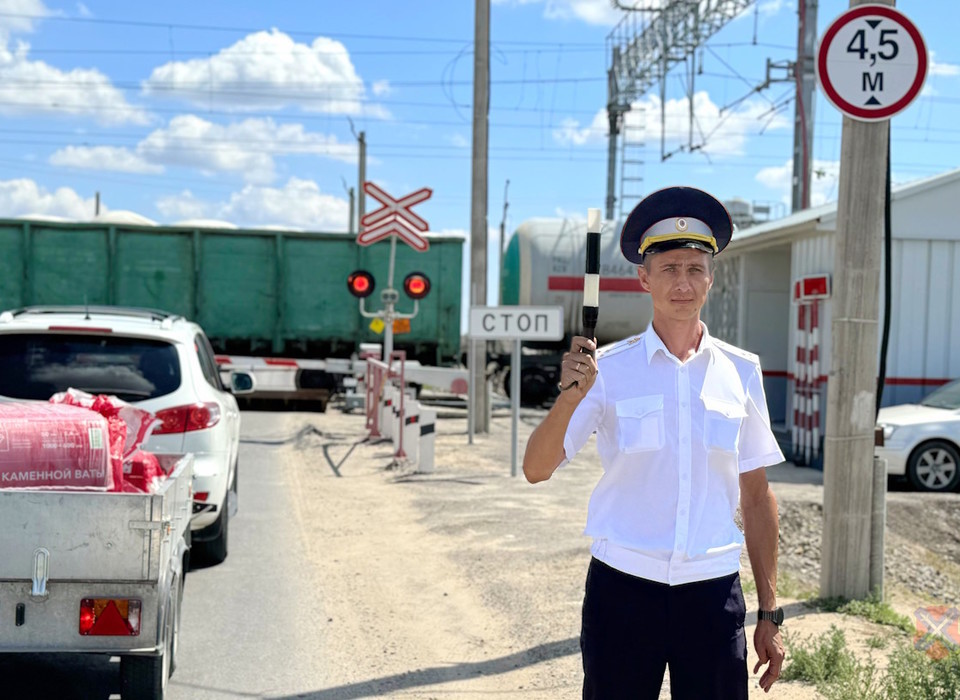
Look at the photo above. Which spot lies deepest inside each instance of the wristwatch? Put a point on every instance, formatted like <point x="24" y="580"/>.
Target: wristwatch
<point x="775" y="616"/>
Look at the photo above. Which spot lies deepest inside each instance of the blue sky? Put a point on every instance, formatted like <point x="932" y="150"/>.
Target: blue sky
<point x="242" y="110"/>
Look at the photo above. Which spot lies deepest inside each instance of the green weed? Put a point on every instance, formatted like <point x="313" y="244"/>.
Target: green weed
<point x="838" y="675"/>
<point x="870" y="608"/>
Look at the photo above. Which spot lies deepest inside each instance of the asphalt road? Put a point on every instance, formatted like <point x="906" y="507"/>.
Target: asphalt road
<point x="250" y="625"/>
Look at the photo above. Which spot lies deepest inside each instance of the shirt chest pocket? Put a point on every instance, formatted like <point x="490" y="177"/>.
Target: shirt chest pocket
<point x="640" y="423"/>
<point x="721" y="423"/>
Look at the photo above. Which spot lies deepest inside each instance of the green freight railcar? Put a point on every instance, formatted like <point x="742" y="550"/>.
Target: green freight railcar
<point x="255" y="292"/>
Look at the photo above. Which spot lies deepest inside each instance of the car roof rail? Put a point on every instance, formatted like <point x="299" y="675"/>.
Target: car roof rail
<point x="165" y="317"/>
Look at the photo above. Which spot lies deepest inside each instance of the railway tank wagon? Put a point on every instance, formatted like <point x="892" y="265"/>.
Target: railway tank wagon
<point x="543" y="266"/>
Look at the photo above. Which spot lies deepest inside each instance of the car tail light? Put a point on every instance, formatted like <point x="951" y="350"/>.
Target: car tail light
<point x="201" y="496"/>
<point x="110" y="617"/>
<point x="184" y="419"/>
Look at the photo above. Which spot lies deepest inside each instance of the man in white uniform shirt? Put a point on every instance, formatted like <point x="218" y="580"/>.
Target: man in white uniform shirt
<point x="683" y="435"/>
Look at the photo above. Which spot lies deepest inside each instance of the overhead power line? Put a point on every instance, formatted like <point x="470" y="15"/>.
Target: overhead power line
<point x="261" y="52"/>
<point x="166" y="26"/>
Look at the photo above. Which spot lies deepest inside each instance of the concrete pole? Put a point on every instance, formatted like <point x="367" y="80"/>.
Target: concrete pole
<point x="805" y="78"/>
<point x="361" y="194"/>
<point x="614" y="117"/>
<point x="350" y="228"/>
<point x="503" y="235"/>
<point x="478" y="205"/>
<point x="852" y="385"/>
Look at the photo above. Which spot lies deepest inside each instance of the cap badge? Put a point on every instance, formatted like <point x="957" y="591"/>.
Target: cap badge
<point x="681" y="224"/>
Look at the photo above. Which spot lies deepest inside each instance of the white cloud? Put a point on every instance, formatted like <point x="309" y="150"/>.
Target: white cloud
<point x="726" y="134"/>
<point x="458" y="140"/>
<point x="268" y="70"/>
<point x="600" y="12"/>
<point x="83" y="10"/>
<point x="103" y="158"/>
<point x="184" y="206"/>
<point x="570" y="133"/>
<point x="248" y="148"/>
<point x="823" y="186"/>
<point x="605" y="12"/>
<point x="299" y="203"/>
<point x="381" y="88"/>
<point x="771" y="8"/>
<point x="24" y="196"/>
<point x="950" y="70"/>
<point x="19" y="16"/>
<point x="34" y="87"/>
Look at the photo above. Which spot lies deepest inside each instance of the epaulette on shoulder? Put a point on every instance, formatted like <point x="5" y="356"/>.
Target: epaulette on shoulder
<point x="737" y="352"/>
<point x="619" y="346"/>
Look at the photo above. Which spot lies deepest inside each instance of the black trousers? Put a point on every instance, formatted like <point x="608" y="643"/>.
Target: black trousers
<point x="633" y="628"/>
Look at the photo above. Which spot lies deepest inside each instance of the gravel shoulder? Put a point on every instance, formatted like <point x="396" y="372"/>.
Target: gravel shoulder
<point x="469" y="581"/>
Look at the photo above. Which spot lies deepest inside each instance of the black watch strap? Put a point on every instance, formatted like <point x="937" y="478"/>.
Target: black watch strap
<point x="774" y="616"/>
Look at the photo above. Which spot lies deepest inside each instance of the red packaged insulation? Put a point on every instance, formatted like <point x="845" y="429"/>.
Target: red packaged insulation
<point x="45" y="445"/>
<point x="127" y="427"/>
<point x="77" y="441"/>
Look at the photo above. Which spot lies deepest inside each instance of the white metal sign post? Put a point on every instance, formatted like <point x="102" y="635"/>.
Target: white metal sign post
<point x="516" y="323"/>
<point x="871" y="62"/>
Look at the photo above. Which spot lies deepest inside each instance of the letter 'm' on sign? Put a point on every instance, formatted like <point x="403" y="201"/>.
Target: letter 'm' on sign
<point x="872" y="83"/>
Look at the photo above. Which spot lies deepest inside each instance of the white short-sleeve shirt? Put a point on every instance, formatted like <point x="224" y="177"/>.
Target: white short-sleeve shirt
<point x="673" y="439"/>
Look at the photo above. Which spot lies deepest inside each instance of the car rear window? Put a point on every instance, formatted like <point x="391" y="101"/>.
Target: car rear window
<point x="38" y="365"/>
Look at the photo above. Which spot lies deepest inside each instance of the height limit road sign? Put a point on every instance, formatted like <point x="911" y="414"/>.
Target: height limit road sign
<point x="395" y="218"/>
<point x="871" y="62"/>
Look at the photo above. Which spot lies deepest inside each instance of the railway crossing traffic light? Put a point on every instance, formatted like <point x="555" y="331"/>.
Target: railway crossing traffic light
<point x="360" y="283"/>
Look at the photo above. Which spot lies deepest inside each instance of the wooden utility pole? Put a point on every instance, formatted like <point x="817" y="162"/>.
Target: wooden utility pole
<point x="478" y="206"/>
<point x="851" y="389"/>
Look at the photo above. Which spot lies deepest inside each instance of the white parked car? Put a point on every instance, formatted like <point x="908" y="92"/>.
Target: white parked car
<point x="922" y="440"/>
<point x="159" y="362"/>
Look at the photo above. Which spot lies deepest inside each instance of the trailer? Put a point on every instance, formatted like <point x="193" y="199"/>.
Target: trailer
<point x="98" y="572"/>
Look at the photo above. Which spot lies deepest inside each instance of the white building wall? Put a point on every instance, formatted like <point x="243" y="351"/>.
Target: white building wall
<point x="925" y="318"/>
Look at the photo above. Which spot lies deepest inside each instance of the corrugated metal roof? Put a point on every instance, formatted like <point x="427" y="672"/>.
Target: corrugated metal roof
<point x="824" y="217"/>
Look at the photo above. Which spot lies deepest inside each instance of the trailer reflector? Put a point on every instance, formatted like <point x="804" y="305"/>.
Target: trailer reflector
<point x="110" y="617"/>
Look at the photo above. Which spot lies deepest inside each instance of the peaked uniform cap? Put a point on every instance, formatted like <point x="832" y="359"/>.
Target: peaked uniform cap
<point x="675" y="217"/>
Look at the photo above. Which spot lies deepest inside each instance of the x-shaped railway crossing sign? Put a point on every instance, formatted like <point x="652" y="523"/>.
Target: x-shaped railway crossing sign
<point x="394" y="218"/>
<point x="937" y="624"/>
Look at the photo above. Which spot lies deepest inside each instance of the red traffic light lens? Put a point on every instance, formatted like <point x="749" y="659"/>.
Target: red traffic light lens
<point x="360" y="283"/>
<point x="416" y="285"/>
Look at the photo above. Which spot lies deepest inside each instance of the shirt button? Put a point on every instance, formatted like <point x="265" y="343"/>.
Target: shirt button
<point x="683" y="511"/>
<point x="684" y="477"/>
